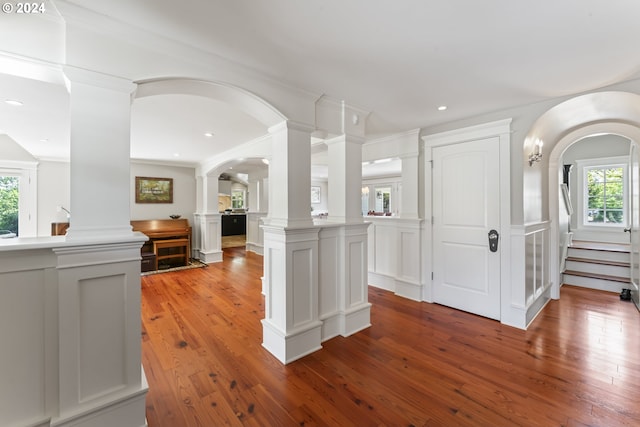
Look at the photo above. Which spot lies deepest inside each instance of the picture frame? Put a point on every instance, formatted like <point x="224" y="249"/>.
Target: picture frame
<point x="315" y="194"/>
<point x="154" y="190"/>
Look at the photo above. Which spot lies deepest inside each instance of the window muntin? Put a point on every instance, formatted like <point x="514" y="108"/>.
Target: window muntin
<point x="237" y="199"/>
<point x="604" y="195"/>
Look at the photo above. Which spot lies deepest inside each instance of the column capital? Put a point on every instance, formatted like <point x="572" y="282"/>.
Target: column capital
<point x="291" y="125"/>
<point x="354" y="139"/>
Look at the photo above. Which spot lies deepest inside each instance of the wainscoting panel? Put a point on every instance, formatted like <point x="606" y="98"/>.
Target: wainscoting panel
<point x="255" y="235"/>
<point x="303" y="299"/>
<point x="328" y="281"/>
<point x="102" y="314"/>
<point x="210" y="232"/>
<point x="395" y="259"/>
<point x="70" y="328"/>
<point x="22" y="358"/>
<point x="356" y="262"/>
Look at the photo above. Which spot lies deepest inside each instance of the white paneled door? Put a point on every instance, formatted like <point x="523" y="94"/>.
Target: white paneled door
<point x="466" y="210"/>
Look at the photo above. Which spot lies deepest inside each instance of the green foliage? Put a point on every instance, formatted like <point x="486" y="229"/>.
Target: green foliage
<point x="9" y="198"/>
<point x="605" y="192"/>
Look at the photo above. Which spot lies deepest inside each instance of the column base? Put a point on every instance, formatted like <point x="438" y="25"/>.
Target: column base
<point x="210" y="257"/>
<point x="355" y="319"/>
<point x="127" y="410"/>
<point x="293" y="346"/>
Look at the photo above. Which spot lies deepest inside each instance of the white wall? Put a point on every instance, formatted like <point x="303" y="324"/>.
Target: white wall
<point x="184" y="192"/>
<point x="53" y="191"/>
<point x="54" y="184"/>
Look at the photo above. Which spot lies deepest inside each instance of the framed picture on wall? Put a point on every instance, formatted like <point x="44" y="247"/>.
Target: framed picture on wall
<point x="315" y="194"/>
<point x="154" y="190"/>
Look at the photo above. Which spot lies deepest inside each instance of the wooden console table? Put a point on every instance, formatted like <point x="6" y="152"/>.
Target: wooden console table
<point x="181" y="245"/>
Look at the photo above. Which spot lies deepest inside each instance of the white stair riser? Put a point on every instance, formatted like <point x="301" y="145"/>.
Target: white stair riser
<point x="610" y="270"/>
<point x="589" y="282"/>
<point x="601" y="255"/>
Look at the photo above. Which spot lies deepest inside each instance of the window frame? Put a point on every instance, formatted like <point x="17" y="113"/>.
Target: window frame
<point x="242" y="198"/>
<point x="601" y="163"/>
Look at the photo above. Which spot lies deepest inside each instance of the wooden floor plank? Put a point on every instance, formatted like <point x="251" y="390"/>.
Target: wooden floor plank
<point x="419" y="364"/>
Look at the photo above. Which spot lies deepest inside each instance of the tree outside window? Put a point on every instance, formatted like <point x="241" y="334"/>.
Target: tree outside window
<point x="9" y="203"/>
<point x="605" y="188"/>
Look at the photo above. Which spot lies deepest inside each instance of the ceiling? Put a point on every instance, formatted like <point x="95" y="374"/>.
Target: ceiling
<point x="400" y="60"/>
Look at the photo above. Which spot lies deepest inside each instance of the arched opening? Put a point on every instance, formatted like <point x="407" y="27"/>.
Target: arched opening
<point x="231" y="140"/>
<point x="560" y="127"/>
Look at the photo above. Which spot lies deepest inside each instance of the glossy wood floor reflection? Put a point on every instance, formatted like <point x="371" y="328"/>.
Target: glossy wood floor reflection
<point x="419" y="364"/>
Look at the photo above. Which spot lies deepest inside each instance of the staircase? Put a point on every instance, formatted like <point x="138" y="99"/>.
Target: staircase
<point x="596" y="265"/>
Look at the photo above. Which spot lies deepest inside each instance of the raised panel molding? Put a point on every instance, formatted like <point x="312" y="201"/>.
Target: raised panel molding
<point x="209" y="238"/>
<point x="303" y="297"/>
<point x="77" y="356"/>
<point x="395" y="261"/>
<point x="101" y="305"/>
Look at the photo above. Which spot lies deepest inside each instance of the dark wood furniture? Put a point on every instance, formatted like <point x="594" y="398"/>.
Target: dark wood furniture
<point x="168" y="238"/>
<point x="171" y="249"/>
<point x="171" y="236"/>
<point x="148" y="262"/>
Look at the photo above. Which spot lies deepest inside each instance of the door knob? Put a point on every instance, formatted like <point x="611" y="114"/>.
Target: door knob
<point x="494" y="236"/>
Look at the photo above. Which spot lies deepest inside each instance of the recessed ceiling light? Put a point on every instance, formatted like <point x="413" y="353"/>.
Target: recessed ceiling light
<point x="44" y="140"/>
<point x="442" y="108"/>
<point x="176" y="154"/>
<point x="208" y="134"/>
<point x="13" y="102"/>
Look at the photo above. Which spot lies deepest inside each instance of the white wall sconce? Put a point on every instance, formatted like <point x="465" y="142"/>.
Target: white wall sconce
<point x="536" y="154"/>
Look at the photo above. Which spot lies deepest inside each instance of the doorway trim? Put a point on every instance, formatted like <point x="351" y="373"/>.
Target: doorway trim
<point x="502" y="130"/>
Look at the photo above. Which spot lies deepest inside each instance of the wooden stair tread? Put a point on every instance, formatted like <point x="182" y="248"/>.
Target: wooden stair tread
<point x="597" y="276"/>
<point x="599" y="246"/>
<point x="599" y="261"/>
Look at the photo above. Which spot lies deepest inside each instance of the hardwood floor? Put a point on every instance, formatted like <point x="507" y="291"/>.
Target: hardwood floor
<point x="419" y="364"/>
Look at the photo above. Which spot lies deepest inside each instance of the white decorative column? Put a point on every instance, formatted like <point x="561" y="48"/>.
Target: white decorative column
<point x="345" y="178"/>
<point x="349" y="242"/>
<point x="100" y="153"/>
<point x="257" y="211"/>
<point x="208" y="221"/>
<point x="100" y="380"/>
<point x="291" y="328"/>
<point x="409" y="203"/>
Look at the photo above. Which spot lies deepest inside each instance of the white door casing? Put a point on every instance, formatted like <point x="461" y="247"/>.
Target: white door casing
<point x="466" y="207"/>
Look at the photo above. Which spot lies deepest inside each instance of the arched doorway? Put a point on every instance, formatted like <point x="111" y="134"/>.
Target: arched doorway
<point x="234" y="146"/>
<point x="559" y="128"/>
